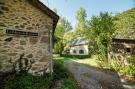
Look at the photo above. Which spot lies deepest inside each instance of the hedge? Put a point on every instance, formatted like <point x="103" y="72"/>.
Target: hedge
<point x="75" y="56"/>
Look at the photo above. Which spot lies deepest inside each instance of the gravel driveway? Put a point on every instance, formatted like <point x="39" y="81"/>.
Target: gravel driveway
<point x="92" y="78"/>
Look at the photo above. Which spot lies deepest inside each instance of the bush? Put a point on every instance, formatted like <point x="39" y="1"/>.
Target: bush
<point x="27" y="81"/>
<point x="59" y="70"/>
<point x="68" y="83"/>
<point x="115" y="67"/>
<point x="75" y="56"/>
<point x="124" y="70"/>
<point x="130" y="70"/>
<point x="131" y="60"/>
<point x="61" y="73"/>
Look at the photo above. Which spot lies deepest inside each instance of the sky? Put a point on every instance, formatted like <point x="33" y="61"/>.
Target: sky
<point x="68" y="8"/>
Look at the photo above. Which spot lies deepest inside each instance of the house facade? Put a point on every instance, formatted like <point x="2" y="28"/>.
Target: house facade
<point x="79" y="47"/>
<point x="26" y="32"/>
<point x="122" y="49"/>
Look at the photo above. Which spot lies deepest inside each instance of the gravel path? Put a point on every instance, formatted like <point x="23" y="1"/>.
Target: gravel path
<point x="92" y="78"/>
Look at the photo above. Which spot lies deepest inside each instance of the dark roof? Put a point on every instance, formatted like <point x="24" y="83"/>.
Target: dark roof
<point x="47" y="11"/>
<point x="79" y="41"/>
<point x="123" y="40"/>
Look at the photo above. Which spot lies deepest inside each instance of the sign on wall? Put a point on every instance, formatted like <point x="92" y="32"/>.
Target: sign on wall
<point x="5" y="31"/>
<point x="22" y="33"/>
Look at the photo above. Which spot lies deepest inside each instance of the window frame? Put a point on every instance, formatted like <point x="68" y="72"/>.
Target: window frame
<point x="81" y="51"/>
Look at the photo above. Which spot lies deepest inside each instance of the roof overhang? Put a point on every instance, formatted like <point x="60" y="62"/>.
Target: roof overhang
<point x="123" y="40"/>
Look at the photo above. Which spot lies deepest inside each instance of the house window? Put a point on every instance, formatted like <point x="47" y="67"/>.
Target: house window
<point x="81" y="51"/>
<point x="74" y="51"/>
<point x="128" y="50"/>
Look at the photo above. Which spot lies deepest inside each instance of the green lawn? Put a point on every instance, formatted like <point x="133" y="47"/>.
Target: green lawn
<point x="62" y="74"/>
<point x="92" y="61"/>
<point x="58" y="57"/>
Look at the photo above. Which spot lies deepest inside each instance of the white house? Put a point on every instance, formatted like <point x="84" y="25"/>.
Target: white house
<point x="79" y="47"/>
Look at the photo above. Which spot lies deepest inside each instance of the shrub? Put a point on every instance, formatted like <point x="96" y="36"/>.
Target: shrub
<point x="102" y="61"/>
<point x="115" y="67"/>
<point x="68" y="83"/>
<point x="131" y="60"/>
<point x="131" y="70"/>
<point x="27" y="81"/>
<point x="61" y="73"/>
<point x="59" y="70"/>
<point x="75" y="56"/>
<point x="124" y="70"/>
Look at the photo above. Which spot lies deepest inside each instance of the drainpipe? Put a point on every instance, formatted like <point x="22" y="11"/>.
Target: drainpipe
<point x="51" y="53"/>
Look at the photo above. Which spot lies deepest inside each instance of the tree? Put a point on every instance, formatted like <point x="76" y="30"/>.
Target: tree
<point x="125" y="24"/>
<point x="62" y="28"/>
<point x="65" y="25"/>
<point x="101" y="29"/>
<point x="81" y="21"/>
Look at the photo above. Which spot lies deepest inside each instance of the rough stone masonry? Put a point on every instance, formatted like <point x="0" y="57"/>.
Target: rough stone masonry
<point x="32" y="53"/>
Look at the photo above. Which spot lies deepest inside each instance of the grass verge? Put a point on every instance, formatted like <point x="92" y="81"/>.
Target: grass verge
<point x="26" y="81"/>
<point x="61" y="73"/>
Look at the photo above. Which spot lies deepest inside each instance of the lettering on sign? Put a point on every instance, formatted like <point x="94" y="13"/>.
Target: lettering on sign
<point x="23" y="33"/>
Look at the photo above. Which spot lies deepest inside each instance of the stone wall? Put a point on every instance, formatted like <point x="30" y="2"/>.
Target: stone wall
<point x="122" y="51"/>
<point x="24" y="16"/>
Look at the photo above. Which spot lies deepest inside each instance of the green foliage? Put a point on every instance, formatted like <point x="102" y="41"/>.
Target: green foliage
<point x="68" y="84"/>
<point x="81" y="22"/>
<point x="59" y="70"/>
<point x="131" y="60"/>
<point x="81" y="14"/>
<point x="101" y="29"/>
<point x="114" y="66"/>
<point x="125" y="24"/>
<point x="75" y="56"/>
<point x="58" y="47"/>
<point x="62" y="28"/>
<point x="130" y="70"/>
<point x="124" y="70"/>
<point x="61" y="73"/>
<point x="23" y="80"/>
<point x="101" y="59"/>
<point x="27" y="81"/>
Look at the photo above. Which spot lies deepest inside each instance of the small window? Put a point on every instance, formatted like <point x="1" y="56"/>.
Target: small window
<point x="81" y="51"/>
<point x="128" y="50"/>
<point x="74" y="51"/>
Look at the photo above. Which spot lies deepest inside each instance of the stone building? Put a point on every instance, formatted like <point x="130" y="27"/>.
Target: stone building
<point x="26" y="30"/>
<point x="79" y="47"/>
<point x="122" y="49"/>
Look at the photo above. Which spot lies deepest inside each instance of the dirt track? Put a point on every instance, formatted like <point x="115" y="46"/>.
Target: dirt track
<point x="92" y="78"/>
